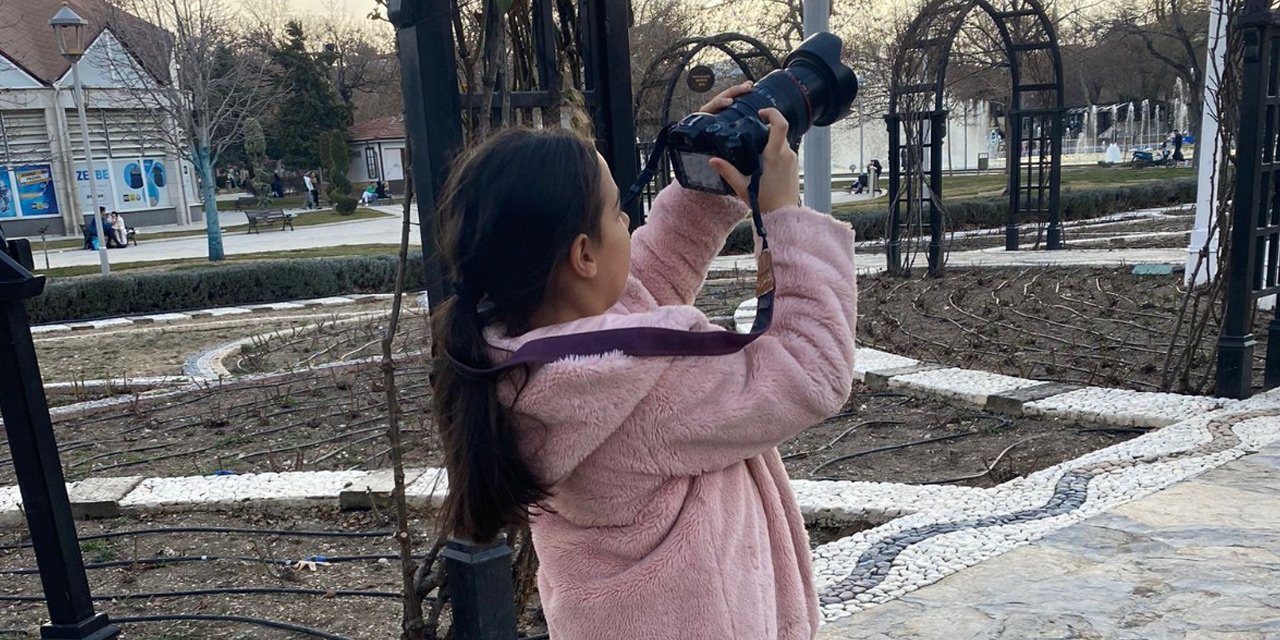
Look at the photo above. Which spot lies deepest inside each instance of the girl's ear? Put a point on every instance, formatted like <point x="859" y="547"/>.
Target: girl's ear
<point x="582" y="262"/>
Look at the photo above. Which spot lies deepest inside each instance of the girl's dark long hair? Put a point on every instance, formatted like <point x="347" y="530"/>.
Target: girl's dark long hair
<point x="508" y="215"/>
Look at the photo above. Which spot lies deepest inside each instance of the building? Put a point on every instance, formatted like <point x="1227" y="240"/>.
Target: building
<point x="378" y="152"/>
<point x="44" y="178"/>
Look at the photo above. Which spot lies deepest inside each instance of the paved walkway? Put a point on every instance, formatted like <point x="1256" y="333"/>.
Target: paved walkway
<point x="998" y="257"/>
<point x="1200" y="560"/>
<point x="369" y="231"/>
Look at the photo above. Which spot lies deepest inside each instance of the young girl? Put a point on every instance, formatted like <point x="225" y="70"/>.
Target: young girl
<point x="659" y="505"/>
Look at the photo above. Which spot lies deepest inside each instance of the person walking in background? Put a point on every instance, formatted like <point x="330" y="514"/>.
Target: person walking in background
<point x="277" y="185"/>
<point x="310" y="186"/>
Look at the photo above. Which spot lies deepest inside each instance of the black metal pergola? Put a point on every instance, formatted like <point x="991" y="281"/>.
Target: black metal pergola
<point x="1253" y="260"/>
<point x="918" y="116"/>
<point x="434" y="104"/>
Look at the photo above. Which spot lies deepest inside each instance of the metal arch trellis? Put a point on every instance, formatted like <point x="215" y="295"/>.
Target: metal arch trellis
<point x="918" y="116"/>
<point x="753" y="58"/>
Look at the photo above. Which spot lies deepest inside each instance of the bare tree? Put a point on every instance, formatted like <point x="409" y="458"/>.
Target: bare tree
<point x="1173" y="32"/>
<point x="218" y="78"/>
<point x="367" y="70"/>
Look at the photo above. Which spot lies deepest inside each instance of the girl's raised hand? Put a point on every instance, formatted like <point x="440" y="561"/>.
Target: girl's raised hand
<point x="726" y="97"/>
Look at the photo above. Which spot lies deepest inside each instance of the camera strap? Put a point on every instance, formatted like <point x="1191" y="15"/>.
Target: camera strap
<point x="643" y="342"/>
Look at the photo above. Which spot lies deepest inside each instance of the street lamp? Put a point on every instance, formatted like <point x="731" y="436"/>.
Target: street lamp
<point x="69" y="28"/>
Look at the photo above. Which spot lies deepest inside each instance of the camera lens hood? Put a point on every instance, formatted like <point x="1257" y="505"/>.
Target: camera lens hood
<point x="819" y="54"/>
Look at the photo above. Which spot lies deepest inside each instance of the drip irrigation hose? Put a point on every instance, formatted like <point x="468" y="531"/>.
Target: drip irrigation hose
<point x="892" y="447"/>
<point x="228" y="591"/>
<point x="1004" y="423"/>
<point x="803" y="454"/>
<point x="235" y="530"/>
<point x="203" y="617"/>
<point x="182" y="559"/>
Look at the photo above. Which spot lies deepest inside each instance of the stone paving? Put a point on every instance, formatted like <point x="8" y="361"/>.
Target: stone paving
<point x="1198" y="560"/>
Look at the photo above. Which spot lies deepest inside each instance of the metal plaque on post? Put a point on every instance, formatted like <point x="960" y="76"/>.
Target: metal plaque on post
<point x="701" y="78"/>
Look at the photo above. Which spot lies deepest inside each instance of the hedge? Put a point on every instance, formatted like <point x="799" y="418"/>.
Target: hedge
<point x="229" y="285"/>
<point x="979" y="213"/>
<point x="273" y="281"/>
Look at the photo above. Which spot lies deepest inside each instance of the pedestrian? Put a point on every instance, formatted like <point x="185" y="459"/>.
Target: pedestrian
<point x="1177" y="147"/>
<point x="308" y="183"/>
<point x="277" y="185"/>
<point x="659" y="505"/>
<point x="874" y="168"/>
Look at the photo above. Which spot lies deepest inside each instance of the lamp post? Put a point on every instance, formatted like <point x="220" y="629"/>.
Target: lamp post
<point x="69" y="28"/>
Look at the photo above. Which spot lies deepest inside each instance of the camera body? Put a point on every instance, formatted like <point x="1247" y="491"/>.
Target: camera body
<point x="812" y="88"/>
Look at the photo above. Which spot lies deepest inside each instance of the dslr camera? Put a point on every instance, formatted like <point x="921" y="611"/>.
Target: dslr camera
<point x="812" y="88"/>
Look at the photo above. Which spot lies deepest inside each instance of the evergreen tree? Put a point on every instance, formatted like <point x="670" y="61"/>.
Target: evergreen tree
<point x="310" y="107"/>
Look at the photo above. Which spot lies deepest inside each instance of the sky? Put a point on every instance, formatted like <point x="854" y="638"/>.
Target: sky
<point x="352" y="8"/>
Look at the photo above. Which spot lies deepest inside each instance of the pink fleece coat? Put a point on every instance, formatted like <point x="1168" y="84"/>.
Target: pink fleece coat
<point x="671" y="514"/>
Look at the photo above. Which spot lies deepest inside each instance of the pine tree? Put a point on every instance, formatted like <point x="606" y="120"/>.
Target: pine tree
<point x="310" y="107"/>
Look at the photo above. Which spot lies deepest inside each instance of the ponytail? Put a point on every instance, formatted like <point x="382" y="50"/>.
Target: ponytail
<point x="490" y="484"/>
<point x="508" y="214"/>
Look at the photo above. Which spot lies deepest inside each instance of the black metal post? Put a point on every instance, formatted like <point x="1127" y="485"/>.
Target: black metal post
<point x="607" y="58"/>
<point x="1235" y="341"/>
<point x="36" y="463"/>
<point x="480" y="589"/>
<point x="433" y="115"/>
<point x="1053" y="238"/>
<point x="1013" y="153"/>
<point x="937" y="134"/>
<point x="893" y="244"/>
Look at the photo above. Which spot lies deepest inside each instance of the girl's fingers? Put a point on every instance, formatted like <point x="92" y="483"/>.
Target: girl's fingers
<point x="778" y="127"/>
<point x="731" y="175"/>
<point x="726" y="97"/>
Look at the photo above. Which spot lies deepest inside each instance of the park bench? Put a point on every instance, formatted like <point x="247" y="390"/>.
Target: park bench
<point x="269" y="216"/>
<point x="130" y="235"/>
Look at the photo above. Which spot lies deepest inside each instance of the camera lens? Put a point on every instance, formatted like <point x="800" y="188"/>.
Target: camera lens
<point x="812" y="88"/>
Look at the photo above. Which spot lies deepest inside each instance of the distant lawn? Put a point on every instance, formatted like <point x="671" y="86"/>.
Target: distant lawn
<point x="302" y="219"/>
<point x="203" y="263"/>
<point x="988" y="185"/>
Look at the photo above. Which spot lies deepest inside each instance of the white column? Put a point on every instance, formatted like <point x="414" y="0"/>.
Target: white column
<point x="817" y="142"/>
<point x="1208" y="153"/>
<point x="63" y="165"/>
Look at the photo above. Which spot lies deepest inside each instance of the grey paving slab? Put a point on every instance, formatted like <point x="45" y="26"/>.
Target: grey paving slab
<point x="100" y="497"/>
<point x="1198" y="560"/>
<point x="374" y="489"/>
<point x="1011" y="401"/>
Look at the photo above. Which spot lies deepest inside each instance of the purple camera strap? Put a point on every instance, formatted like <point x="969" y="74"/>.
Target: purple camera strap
<point x="638" y="342"/>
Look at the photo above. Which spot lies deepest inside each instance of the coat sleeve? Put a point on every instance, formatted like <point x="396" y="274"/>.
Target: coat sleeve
<point x="706" y="413"/>
<point x="684" y="231"/>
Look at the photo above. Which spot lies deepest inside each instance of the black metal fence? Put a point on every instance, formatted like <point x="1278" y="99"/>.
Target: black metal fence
<point x="1253" y="272"/>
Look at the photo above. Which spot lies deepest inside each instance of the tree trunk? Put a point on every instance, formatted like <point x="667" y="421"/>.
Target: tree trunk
<point x="494" y="53"/>
<point x="1195" y="112"/>
<point x="209" y="198"/>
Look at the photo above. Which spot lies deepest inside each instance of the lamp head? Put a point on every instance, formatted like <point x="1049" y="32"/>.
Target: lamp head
<point x="69" y="28"/>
